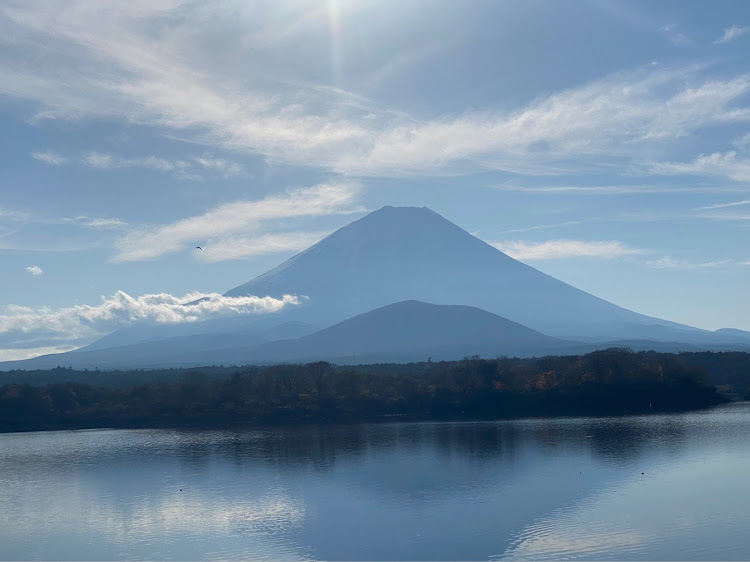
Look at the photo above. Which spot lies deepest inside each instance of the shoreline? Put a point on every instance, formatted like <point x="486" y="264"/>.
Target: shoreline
<point x="197" y="425"/>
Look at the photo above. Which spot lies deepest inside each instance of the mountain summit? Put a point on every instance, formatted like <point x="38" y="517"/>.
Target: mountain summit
<point x="410" y="253"/>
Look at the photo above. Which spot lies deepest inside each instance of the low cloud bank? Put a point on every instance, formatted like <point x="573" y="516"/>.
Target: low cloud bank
<point x="25" y="328"/>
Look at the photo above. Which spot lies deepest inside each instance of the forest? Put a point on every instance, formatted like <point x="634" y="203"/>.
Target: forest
<point x="608" y="382"/>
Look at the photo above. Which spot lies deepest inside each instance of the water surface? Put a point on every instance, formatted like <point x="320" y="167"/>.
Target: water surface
<point x="667" y="487"/>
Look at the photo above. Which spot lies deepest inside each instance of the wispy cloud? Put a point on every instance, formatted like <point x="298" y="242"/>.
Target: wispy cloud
<point x="241" y="248"/>
<point x="25" y="327"/>
<point x="39" y="231"/>
<point x="742" y="143"/>
<point x="182" y="168"/>
<point x="675" y="37"/>
<point x="618" y="115"/>
<point x="723" y="205"/>
<point x="723" y="164"/>
<point x="13" y="215"/>
<point x="541" y="227"/>
<point x="731" y="33"/>
<point x="107" y="161"/>
<point x="225" y="167"/>
<point x="35" y="270"/>
<point x="142" y="67"/>
<point x="101" y="223"/>
<point x="563" y="249"/>
<point x="229" y="227"/>
<point x="49" y="157"/>
<point x="668" y="262"/>
<point x="725" y="216"/>
<point x="619" y="189"/>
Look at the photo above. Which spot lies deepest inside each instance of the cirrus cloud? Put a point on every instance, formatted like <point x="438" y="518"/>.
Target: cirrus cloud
<point x="722" y="164"/>
<point x="564" y="248"/>
<point x="145" y="67"/>
<point x="222" y="227"/>
<point x="49" y="157"/>
<point x="245" y="247"/>
<point x="668" y="262"/>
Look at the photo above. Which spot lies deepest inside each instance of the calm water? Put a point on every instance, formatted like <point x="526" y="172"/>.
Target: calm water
<point x="568" y="488"/>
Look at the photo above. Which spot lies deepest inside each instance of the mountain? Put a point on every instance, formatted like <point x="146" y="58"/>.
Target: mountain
<point x="408" y="253"/>
<point x="174" y="351"/>
<point x="392" y="255"/>
<point x="415" y="331"/>
<point x="733" y="334"/>
<point x="400" y="332"/>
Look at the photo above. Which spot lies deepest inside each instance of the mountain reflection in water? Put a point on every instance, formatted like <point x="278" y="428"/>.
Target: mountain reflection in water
<point x="510" y="489"/>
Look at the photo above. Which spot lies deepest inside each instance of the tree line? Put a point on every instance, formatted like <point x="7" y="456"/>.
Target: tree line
<point x="608" y="382"/>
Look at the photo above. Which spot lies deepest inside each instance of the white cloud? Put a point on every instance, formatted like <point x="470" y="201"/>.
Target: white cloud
<point x="541" y="227"/>
<point x="732" y="33"/>
<point x="614" y="116"/>
<point x="24" y="327"/>
<point x="238" y="219"/>
<point x="13" y="215"/>
<point x="742" y="143"/>
<point x="105" y="161"/>
<point x="724" y="205"/>
<point x="49" y="157"/>
<point x="18" y="354"/>
<point x="89" y="222"/>
<point x="102" y="223"/>
<point x="181" y="168"/>
<point x="668" y="262"/>
<point x="722" y="164"/>
<point x="35" y="270"/>
<point x="618" y="189"/>
<point x="225" y="167"/>
<point x="99" y="160"/>
<point x="562" y="249"/>
<point x="145" y="66"/>
<point x="726" y="216"/>
<point x="247" y="247"/>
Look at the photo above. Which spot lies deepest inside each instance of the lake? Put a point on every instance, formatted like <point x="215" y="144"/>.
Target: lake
<point x="662" y="487"/>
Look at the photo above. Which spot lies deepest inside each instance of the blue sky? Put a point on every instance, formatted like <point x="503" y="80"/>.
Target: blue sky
<point x="606" y="143"/>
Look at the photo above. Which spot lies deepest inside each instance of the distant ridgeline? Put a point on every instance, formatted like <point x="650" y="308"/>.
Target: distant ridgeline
<point x="609" y="382"/>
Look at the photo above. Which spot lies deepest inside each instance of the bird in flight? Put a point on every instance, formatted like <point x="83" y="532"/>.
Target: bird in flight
<point x="199" y="248"/>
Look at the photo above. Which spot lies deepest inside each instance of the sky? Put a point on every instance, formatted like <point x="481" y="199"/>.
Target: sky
<point x="606" y="143"/>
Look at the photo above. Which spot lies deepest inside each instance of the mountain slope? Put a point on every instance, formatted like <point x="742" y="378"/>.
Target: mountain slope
<point x="396" y="254"/>
<point x="414" y="331"/>
<point x="175" y="351"/>
<point x="405" y="331"/>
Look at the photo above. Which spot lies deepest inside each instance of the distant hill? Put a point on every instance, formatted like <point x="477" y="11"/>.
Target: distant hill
<point x="176" y="351"/>
<point x="415" y="331"/>
<point x="733" y="334"/>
